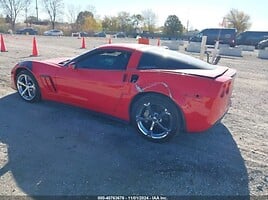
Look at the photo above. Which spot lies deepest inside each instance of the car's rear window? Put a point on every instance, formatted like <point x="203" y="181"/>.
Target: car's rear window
<point x="160" y="58"/>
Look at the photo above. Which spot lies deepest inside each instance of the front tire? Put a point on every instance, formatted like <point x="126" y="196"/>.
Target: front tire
<point x="155" y="117"/>
<point x="27" y="87"/>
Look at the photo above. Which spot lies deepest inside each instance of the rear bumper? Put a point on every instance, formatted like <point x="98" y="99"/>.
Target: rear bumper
<point x="226" y="111"/>
<point x="202" y="121"/>
<point x="203" y="112"/>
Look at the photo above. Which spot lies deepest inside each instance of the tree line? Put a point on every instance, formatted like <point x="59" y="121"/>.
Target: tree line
<point x="123" y="22"/>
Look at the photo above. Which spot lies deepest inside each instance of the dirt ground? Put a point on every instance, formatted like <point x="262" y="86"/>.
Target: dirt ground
<point x="53" y="149"/>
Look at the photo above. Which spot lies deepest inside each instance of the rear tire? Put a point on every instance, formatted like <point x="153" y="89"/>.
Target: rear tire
<point x="27" y="87"/>
<point x="155" y="117"/>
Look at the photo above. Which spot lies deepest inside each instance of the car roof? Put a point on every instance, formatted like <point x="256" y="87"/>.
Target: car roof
<point x="25" y="28"/>
<point x="130" y="46"/>
<point x="53" y="30"/>
<point x="265" y="40"/>
<point x="160" y="51"/>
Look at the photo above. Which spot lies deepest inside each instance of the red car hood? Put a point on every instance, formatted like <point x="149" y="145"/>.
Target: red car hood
<point x="210" y="73"/>
<point x="56" y="60"/>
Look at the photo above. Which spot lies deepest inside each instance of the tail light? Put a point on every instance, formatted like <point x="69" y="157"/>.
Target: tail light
<point x="225" y="89"/>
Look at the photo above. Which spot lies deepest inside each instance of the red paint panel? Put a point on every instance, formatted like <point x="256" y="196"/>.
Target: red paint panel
<point x="203" y="96"/>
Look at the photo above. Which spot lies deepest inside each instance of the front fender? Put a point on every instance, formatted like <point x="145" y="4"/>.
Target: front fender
<point x="25" y="65"/>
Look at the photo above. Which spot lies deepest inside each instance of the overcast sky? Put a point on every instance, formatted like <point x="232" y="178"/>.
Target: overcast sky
<point x="201" y="14"/>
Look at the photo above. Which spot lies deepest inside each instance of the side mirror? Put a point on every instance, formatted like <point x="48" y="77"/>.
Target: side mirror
<point x="72" y="65"/>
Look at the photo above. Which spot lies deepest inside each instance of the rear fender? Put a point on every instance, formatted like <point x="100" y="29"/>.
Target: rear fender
<point x="158" y="87"/>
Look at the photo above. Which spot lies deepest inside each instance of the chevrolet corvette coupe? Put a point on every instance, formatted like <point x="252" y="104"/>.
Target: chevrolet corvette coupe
<point x="161" y="92"/>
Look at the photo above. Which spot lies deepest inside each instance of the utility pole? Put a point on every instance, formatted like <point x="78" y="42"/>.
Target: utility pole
<point x="26" y="16"/>
<point x="36" y="7"/>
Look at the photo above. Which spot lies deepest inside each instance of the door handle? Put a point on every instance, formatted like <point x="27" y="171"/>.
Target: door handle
<point x="134" y="78"/>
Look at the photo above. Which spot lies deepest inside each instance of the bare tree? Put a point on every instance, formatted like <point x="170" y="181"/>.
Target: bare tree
<point x="92" y="9"/>
<point x="238" y="19"/>
<point x="12" y="8"/>
<point x="149" y="19"/>
<point x="54" y="9"/>
<point x="26" y="11"/>
<point x="73" y="12"/>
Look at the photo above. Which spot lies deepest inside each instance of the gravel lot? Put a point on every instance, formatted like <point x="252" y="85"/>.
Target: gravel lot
<point x="54" y="149"/>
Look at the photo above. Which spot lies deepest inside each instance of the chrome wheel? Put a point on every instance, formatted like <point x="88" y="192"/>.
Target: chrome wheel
<point x="155" y="117"/>
<point x="27" y="87"/>
<point x="154" y="121"/>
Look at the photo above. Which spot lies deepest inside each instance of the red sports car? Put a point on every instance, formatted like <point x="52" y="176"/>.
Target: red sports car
<point x="161" y="92"/>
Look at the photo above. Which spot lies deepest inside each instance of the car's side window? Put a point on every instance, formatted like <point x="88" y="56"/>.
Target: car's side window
<point x="148" y="61"/>
<point x="152" y="61"/>
<point x="105" y="60"/>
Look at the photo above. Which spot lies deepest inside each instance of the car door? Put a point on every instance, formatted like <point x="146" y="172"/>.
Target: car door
<point x="95" y="80"/>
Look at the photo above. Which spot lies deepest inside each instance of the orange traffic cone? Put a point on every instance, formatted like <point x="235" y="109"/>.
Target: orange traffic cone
<point x="158" y="42"/>
<point x="110" y="41"/>
<point x="3" y="47"/>
<point x="83" y="43"/>
<point x="34" y="51"/>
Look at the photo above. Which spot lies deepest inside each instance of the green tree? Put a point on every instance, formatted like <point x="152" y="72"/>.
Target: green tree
<point x="124" y="21"/>
<point x="106" y="23"/>
<point x="31" y="19"/>
<point x="110" y="24"/>
<point x="81" y="18"/>
<point x="238" y="19"/>
<point x="137" y="21"/>
<point x="173" y="26"/>
<point x="91" y="24"/>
